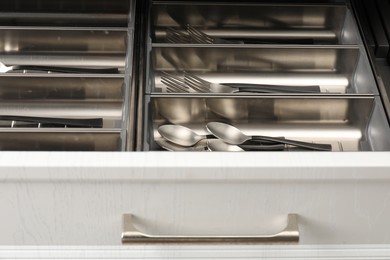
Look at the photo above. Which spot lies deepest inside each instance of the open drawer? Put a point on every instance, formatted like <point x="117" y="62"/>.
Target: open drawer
<point x="69" y="198"/>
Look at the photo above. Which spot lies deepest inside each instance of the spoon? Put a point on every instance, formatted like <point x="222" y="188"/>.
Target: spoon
<point x="217" y="145"/>
<point x="233" y="135"/>
<point x="169" y="146"/>
<point x="181" y="138"/>
<point x="181" y="135"/>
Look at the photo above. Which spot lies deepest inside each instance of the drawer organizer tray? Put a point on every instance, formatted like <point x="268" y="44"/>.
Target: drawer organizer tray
<point x="184" y="74"/>
<point x="65" y="61"/>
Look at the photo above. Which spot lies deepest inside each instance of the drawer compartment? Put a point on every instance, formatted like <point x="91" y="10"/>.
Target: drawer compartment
<point x="66" y="13"/>
<point x="334" y="69"/>
<point x="347" y="123"/>
<point x="42" y="87"/>
<point x="59" y="140"/>
<point x="83" y="40"/>
<point x="255" y="23"/>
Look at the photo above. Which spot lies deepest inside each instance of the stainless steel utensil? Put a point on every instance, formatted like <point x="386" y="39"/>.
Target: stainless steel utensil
<point x="4" y="69"/>
<point x="216" y="145"/>
<point x="220" y="146"/>
<point x="192" y="35"/>
<point x="177" y="36"/>
<point x="167" y="145"/>
<point x="192" y="83"/>
<point x="233" y="135"/>
<point x="204" y="86"/>
<point x="55" y="122"/>
<point x="200" y="37"/>
<point x="174" y="83"/>
<point x="181" y="135"/>
<point x="182" y="138"/>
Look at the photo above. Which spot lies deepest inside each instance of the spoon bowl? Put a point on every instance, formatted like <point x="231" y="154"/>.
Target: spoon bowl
<point x="169" y="146"/>
<point x="220" y="146"/>
<point x="180" y="135"/>
<point x="233" y="135"/>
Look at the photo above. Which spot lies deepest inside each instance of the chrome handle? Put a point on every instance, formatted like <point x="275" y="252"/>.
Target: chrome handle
<point x="130" y="235"/>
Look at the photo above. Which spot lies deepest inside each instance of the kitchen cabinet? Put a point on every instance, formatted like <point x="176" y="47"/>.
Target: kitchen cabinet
<point x="68" y="198"/>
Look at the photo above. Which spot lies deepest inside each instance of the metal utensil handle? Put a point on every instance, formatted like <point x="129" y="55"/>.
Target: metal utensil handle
<point x="312" y="146"/>
<point x="130" y="235"/>
<point x="76" y="122"/>
<point x="67" y="69"/>
<point x="261" y="147"/>
<point x="265" y="88"/>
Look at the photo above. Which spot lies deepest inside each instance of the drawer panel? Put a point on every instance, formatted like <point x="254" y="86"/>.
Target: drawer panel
<point x="81" y="203"/>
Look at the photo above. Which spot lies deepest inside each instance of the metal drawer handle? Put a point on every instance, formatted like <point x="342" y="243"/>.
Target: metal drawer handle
<point x="130" y="235"/>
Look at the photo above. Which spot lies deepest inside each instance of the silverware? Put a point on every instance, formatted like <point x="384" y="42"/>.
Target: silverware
<point x="192" y="83"/>
<point x="54" y="122"/>
<point x="204" y="86"/>
<point x="198" y="36"/>
<point x="183" y="138"/>
<point x="192" y="35"/>
<point x="216" y="145"/>
<point x="4" y="69"/>
<point x="177" y="36"/>
<point x="220" y="146"/>
<point x="174" y="84"/>
<point x="167" y="145"/>
<point x="181" y="135"/>
<point x="233" y="135"/>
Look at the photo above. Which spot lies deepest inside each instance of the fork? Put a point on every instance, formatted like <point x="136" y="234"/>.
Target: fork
<point x="4" y="69"/>
<point x="177" y="36"/>
<point x="204" y="86"/>
<point x="200" y="37"/>
<point x="174" y="84"/>
<point x="192" y="35"/>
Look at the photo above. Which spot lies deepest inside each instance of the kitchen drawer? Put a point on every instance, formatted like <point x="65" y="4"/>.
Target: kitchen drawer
<point x="69" y="199"/>
<point x="59" y="199"/>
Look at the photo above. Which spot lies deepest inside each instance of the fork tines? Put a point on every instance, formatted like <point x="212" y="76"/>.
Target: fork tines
<point x="198" y="36"/>
<point x="177" y="36"/>
<point x="174" y="84"/>
<point x="188" y="35"/>
<point x="197" y="83"/>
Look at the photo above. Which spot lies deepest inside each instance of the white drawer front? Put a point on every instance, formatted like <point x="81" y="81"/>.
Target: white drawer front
<point x="81" y="205"/>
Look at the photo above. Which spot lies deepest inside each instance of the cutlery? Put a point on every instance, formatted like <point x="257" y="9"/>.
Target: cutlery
<point x="4" y="69"/>
<point x="204" y="86"/>
<point x="200" y="37"/>
<point x="220" y="146"/>
<point x="167" y="145"/>
<point x="186" y="137"/>
<point x="216" y="145"/>
<point x="55" y="122"/>
<point x="192" y="35"/>
<point x="181" y="135"/>
<point x="177" y="36"/>
<point x="176" y="84"/>
<point x="233" y="135"/>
